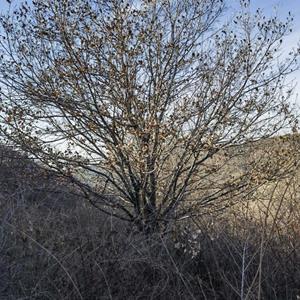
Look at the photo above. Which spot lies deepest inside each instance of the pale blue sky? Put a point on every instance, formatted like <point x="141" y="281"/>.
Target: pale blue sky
<point x="280" y="8"/>
<point x="270" y="7"/>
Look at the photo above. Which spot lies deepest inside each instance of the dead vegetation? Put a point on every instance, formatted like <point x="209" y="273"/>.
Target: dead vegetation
<point x="250" y="251"/>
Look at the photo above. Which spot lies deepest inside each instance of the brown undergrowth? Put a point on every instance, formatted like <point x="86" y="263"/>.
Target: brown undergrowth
<point x="55" y="246"/>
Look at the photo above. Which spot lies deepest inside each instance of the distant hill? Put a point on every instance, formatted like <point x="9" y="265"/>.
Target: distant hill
<point x="24" y="182"/>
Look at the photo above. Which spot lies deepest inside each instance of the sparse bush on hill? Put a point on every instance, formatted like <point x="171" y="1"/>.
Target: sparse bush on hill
<point x="133" y="101"/>
<point x="163" y="119"/>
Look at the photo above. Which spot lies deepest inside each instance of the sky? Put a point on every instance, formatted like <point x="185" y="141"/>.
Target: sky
<point x="270" y="7"/>
<point x="281" y="8"/>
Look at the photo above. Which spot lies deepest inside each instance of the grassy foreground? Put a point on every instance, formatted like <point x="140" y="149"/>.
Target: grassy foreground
<point x="53" y="245"/>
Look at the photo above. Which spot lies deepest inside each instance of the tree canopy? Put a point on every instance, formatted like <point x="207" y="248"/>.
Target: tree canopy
<point x="141" y="102"/>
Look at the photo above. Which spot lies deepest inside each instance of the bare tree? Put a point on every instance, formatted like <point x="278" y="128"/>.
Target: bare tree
<point x="140" y="102"/>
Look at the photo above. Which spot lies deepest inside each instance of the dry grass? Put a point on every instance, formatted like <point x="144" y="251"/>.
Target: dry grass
<point x="53" y="246"/>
